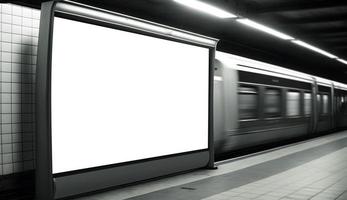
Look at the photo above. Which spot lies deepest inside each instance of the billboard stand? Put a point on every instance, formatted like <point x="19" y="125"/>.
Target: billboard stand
<point x="55" y="185"/>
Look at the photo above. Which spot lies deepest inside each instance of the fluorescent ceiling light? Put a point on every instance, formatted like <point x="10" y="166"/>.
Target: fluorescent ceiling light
<point x="342" y="60"/>
<point x="313" y="48"/>
<point x="204" y="7"/>
<point x="265" y="29"/>
<point x="218" y="78"/>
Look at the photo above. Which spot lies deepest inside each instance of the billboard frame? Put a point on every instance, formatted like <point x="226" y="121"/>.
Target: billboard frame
<point x="50" y="186"/>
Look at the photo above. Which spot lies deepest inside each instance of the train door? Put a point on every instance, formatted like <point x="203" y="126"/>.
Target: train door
<point x="341" y="109"/>
<point x="218" y="108"/>
<point x="324" y="109"/>
<point x="225" y="104"/>
<point x="333" y="107"/>
<point x="314" y="107"/>
<point x="336" y="107"/>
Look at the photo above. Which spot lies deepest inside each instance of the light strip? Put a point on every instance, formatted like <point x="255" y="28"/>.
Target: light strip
<point x="313" y="48"/>
<point x="265" y="29"/>
<point x="218" y="78"/>
<point x="342" y="61"/>
<point x="341" y="86"/>
<point x="204" y="7"/>
<point x="135" y="23"/>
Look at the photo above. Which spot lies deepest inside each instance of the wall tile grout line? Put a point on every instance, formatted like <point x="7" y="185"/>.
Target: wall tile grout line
<point x="1" y="149"/>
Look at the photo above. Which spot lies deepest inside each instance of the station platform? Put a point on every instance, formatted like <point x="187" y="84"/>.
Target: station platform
<point x="315" y="169"/>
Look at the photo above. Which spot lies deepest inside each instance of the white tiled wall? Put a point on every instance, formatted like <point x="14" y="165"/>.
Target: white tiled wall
<point x="19" y="37"/>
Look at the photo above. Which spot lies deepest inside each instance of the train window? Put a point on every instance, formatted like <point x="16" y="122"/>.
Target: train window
<point x="272" y="102"/>
<point x="325" y="106"/>
<point x="248" y="102"/>
<point x="338" y="102"/>
<point x="307" y="103"/>
<point x="319" y="103"/>
<point x="293" y="104"/>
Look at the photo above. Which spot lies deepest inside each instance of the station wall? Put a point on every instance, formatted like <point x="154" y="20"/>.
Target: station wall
<point x="19" y="39"/>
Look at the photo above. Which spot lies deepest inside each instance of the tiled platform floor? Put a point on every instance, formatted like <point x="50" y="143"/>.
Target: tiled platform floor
<point x="315" y="169"/>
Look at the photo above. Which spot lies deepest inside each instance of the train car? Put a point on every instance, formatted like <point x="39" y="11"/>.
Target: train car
<point x="256" y="103"/>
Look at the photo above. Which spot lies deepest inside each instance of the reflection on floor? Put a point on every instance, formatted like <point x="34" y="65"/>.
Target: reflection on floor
<point x="315" y="169"/>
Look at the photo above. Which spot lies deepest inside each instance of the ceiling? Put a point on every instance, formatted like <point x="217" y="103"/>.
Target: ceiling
<point x="322" y="23"/>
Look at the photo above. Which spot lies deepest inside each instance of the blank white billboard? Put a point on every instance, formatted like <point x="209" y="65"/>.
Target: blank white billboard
<point x="119" y="96"/>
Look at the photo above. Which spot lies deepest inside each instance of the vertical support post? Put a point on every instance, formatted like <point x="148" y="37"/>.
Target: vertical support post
<point x="211" y="164"/>
<point x="332" y="107"/>
<point x="44" y="176"/>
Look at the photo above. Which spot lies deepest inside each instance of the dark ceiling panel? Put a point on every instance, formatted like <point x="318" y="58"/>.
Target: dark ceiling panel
<point x="320" y="30"/>
<point x="295" y="5"/>
<point x="340" y="39"/>
<point x="324" y="35"/>
<point x="320" y="18"/>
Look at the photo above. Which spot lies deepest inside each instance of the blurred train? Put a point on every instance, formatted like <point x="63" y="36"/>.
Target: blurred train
<point x="256" y="103"/>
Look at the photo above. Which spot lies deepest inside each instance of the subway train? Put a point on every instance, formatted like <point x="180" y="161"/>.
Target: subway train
<point x="256" y="103"/>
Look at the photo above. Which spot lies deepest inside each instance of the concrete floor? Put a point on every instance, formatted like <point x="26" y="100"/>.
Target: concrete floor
<point x="314" y="169"/>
